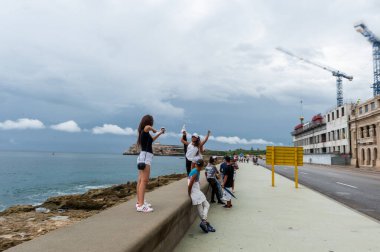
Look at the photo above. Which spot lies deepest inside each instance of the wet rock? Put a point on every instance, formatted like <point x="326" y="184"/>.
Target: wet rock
<point x="17" y="209"/>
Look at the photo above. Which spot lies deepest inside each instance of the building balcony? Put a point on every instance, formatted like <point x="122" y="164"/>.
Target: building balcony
<point x="367" y="140"/>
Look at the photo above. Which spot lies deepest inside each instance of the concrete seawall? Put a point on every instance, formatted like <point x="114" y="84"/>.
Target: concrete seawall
<point x="121" y="228"/>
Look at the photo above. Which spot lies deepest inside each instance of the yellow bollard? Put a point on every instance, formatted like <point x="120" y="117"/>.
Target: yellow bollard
<point x="295" y="167"/>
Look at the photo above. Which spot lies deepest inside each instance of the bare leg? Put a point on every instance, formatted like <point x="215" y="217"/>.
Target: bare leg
<point x="138" y="186"/>
<point x="143" y="182"/>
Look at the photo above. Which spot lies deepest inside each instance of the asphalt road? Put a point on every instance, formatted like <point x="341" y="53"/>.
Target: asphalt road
<point x="357" y="189"/>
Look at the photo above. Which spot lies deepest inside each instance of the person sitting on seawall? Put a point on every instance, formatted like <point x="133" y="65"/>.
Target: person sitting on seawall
<point x="195" y="148"/>
<point x="211" y="175"/>
<point x="144" y="160"/>
<point x="197" y="197"/>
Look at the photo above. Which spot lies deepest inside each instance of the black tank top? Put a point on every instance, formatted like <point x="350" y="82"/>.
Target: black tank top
<point x="146" y="142"/>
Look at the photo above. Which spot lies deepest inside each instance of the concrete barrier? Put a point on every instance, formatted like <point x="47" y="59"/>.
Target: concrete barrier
<point x="121" y="228"/>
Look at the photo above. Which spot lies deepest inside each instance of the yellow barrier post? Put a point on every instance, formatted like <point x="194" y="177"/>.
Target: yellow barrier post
<point x="272" y="166"/>
<point x="295" y="167"/>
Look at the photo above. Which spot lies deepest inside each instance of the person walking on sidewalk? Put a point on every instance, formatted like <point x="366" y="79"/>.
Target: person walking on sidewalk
<point x="144" y="160"/>
<point x="196" y="147"/>
<point x="197" y="197"/>
<point x="228" y="176"/>
<point x="211" y="175"/>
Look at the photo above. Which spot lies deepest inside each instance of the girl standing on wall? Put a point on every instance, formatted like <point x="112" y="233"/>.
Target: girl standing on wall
<point x="144" y="160"/>
<point x="195" y="148"/>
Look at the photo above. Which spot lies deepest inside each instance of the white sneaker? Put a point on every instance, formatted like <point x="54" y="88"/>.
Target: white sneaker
<point x="144" y="209"/>
<point x="145" y="203"/>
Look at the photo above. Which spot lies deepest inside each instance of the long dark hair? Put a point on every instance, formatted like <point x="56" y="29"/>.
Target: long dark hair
<point x="146" y="120"/>
<point x="197" y="143"/>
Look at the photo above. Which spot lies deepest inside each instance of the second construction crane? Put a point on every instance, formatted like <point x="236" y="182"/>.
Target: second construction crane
<point x="338" y="74"/>
<point x="362" y="28"/>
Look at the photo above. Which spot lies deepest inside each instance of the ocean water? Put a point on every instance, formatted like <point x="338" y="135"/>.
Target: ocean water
<point x="32" y="177"/>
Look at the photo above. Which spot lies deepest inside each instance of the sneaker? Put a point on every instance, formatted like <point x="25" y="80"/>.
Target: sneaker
<point x="144" y="209"/>
<point x="221" y="202"/>
<point x="210" y="228"/>
<point x="204" y="226"/>
<point x="145" y="203"/>
<point x="212" y="201"/>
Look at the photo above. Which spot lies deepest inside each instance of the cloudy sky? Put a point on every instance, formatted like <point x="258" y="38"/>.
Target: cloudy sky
<point x="78" y="75"/>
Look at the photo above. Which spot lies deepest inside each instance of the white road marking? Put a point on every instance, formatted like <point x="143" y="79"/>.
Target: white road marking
<point x="347" y="185"/>
<point x="304" y="173"/>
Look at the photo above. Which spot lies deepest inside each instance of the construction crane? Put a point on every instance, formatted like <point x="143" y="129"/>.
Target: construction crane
<point x="362" y="28"/>
<point x="338" y="74"/>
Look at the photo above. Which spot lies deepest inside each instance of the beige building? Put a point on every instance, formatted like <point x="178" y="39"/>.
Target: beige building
<point x="365" y="133"/>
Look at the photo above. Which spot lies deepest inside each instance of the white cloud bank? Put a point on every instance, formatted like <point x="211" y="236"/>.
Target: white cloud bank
<point x="22" y="124"/>
<point x="238" y="140"/>
<point x="69" y="126"/>
<point x="113" y="129"/>
<point x="233" y="140"/>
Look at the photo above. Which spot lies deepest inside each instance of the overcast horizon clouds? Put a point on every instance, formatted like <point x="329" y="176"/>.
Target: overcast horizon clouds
<point x="79" y="75"/>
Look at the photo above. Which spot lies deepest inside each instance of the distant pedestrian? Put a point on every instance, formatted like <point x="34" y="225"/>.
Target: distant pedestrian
<point x="228" y="172"/>
<point x="212" y="177"/>
<point x="196" y="147"/>
<point x="198" y="198"/>
<point x="185" y="144"/>
<point x="144" y="160"/>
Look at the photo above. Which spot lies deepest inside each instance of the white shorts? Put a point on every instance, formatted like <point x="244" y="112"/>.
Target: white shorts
<point x="145" y="157"/>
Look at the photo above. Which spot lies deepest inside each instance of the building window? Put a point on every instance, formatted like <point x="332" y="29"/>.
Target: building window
<point x="337" y="114"/>
<point x="343" y="111"/>
<point x="374" y="130"/>
<point x="366" y="108"/>
<point x="328" y="117"/>
<point x="332" y="116"/>
<point x="372" y="106"/>
<point x="343" y="133"/>
<point x="337" y="135"/>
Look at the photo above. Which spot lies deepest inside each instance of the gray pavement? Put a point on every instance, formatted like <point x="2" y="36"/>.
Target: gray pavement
<point x="354" y="188"/>
<point x="282" y="219"/>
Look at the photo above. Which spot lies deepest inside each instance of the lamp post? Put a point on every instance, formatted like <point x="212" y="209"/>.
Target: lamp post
<point x="356" y="136"/>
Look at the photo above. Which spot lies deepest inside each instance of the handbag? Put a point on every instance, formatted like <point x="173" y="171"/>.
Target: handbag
<point x="141" y="165"/>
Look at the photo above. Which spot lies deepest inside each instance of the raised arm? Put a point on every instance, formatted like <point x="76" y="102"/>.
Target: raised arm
<point x="184" y="141"/>
<point x="150" y="128"/>
<point x="206" y="138"/>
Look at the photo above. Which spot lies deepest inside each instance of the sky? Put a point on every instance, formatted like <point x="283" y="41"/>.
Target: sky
<point x="79" y="75"/>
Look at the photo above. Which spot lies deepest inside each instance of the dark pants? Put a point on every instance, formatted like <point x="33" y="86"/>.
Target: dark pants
<point x="188" y="166"/>
<point x="214" y="189"/>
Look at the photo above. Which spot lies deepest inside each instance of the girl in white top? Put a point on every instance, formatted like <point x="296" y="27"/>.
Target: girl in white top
<point x="195" y="148"/>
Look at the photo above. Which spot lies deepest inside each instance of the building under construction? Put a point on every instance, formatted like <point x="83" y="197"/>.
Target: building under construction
<point x="325" y="138"/>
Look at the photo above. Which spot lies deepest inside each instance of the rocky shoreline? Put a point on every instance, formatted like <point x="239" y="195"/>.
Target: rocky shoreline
<point x="25" y="222"/>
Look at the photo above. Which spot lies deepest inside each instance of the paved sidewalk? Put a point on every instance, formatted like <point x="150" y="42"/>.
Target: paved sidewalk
<point x="282" y="219"/>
